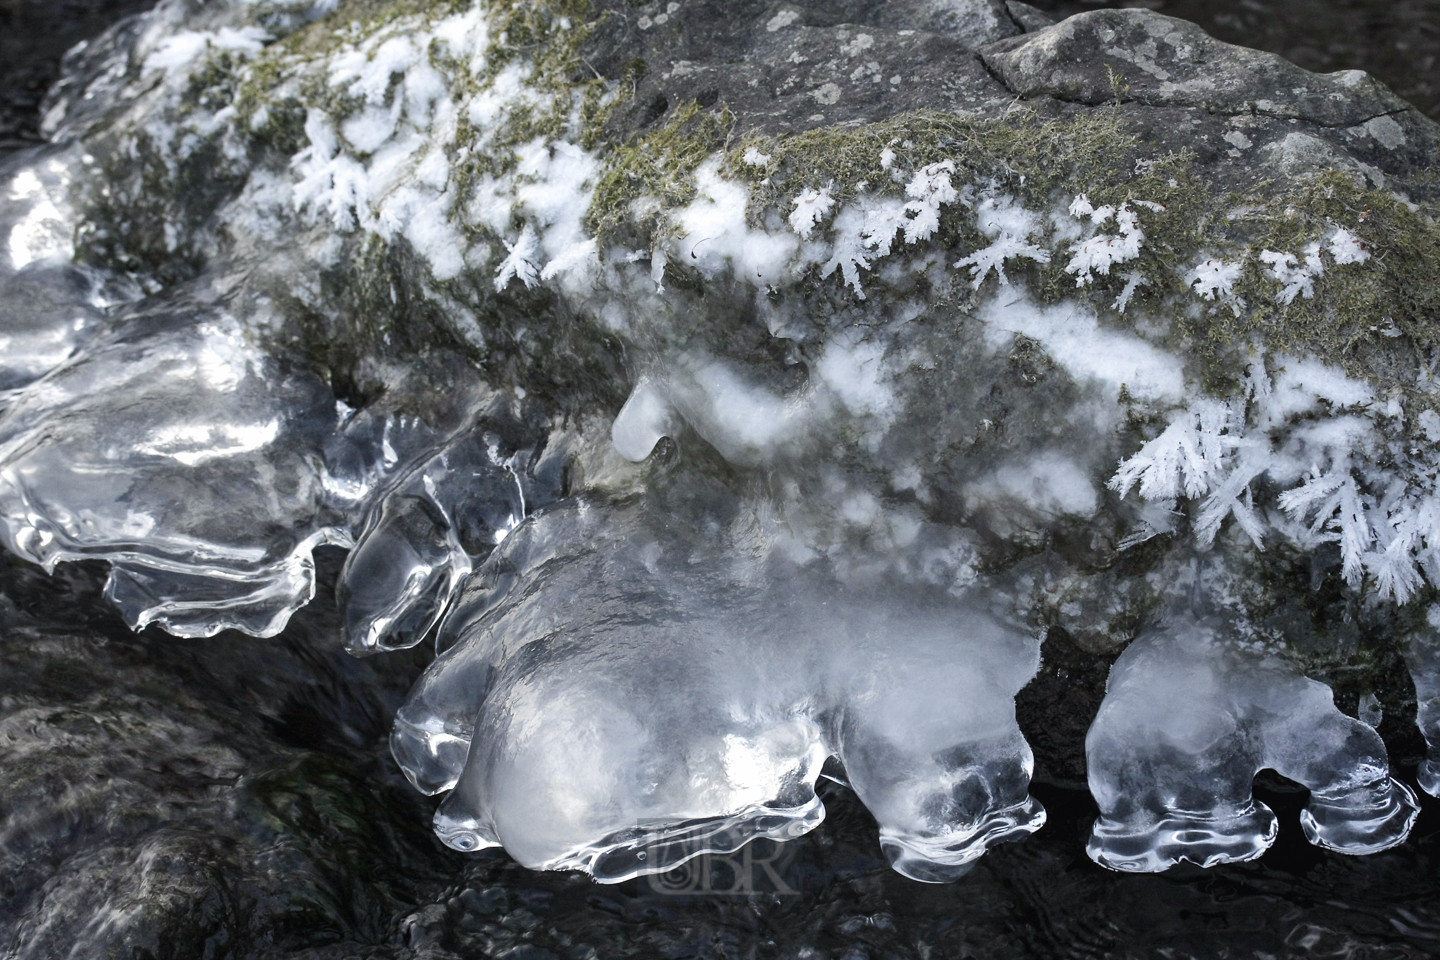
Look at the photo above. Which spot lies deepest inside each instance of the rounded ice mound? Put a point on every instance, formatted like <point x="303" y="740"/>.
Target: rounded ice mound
<point x="622" y="695"/>
<point x="1423" y="658"/>
<point x="1189" y="718"/>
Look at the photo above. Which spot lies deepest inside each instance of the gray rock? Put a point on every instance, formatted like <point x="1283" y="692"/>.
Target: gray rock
<point x="171" y="802"/>
<point x="1030" y="19"/>
<point x="1168" y="62"/>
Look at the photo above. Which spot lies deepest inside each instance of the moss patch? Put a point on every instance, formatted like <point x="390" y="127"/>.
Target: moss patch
<point x="656" y="170"/>
<point x="1026" y="154"/>
<point x="1379" y="319"/>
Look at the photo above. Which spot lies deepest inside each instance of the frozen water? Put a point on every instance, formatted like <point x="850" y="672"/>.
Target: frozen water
<point x="189" y="460"/>
<point x="48" y="305"/>
<point x="46" y="311"/>
<point x="421" y="540"/>
<point x="1189" y="718"/>
<point x="870" y="505"/>
<point x="621" y="695"/>
<point x="1423" y="659"/>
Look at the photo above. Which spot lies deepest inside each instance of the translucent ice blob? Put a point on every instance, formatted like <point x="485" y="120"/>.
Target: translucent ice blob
<point x="49" y="305"/>
<point x="421" y="540"/>
<point x="619" y="696"/>
<point x="1423" y="658"/>
<point x="190" y="461"/>
<point x="1189" y="718"/>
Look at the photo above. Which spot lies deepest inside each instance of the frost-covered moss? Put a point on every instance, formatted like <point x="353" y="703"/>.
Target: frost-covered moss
<point x="1379" y="323"/>
<point x="650" y="176"/>
<point x="470" y="189"/>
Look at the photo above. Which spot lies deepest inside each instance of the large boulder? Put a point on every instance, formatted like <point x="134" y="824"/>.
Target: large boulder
<point x="934" y="327"/>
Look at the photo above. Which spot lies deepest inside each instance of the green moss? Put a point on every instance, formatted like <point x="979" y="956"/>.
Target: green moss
<point x="1026" y="154"/>
<point x="1352" y="321"/>
<point x="290" y="63"/>
<point x="1379" y="319"/>
<point x="262" y="88"/>
<point x="143" y="215"/>
<point x="1042" y="161"/>
<point x="215" y="84"/>
<point x="658" y="166"/>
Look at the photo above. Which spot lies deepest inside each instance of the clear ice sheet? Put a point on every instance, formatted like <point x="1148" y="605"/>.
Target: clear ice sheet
<point x="1189" y="717"/>
<point x="191" y="461"/>
<point x="618" y="696"/>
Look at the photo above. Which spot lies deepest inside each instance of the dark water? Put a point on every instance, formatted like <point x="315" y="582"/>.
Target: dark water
<point x="310" y="844"/>
<point x="320" y="850"/>
<point x="34" y="35"/>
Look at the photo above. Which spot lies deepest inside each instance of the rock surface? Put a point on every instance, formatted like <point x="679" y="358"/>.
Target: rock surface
<point x="1396" y="42"/>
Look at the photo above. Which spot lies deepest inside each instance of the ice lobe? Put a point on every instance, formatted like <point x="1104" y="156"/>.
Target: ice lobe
<point x="422" y="539"/>
<point x="1423" y="658"/>
<point x="622" y="693"/>
<point x="190" y="461"/>
<point x="1189" y="718"/>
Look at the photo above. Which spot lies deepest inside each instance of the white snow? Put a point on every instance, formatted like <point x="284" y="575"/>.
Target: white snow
<point x="1214" y="279"/>
<point x="1048" y="483"/>
<point x="929" y="189"/>
<point x="1346" y="247"/>
<point x="177" y="51"/>
<point x="1103" y="250"/>
<point x="521" y="262"/>
<point x="1009" y="226"/>
<point x="1071" y="334"/>
<point x="811" y="206"/>
<point x="1297" y="277"/>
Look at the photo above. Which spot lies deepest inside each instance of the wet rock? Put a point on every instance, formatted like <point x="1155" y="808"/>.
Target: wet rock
<point x="159" y="802"/>
<point x="37" y="35"/>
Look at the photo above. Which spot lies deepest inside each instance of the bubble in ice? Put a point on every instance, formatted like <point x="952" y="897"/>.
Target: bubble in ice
<point x="619" y="696"/>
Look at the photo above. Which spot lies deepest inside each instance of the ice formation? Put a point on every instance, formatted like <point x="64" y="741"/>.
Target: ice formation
<point x="1424" y="660"/>
<point x="421" y="539"/>
<point x="1189" y="719"/>
<point x="191" y="462"/>
<point x="618" y="697"/>
<point x="722" y="447"/>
